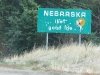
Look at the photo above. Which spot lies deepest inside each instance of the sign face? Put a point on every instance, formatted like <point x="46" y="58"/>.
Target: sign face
<point x="53" y="20"/>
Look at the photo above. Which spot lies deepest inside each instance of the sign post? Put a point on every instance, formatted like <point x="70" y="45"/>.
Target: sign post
<point x="46" y="41"/>
<point x="80" y="39"/>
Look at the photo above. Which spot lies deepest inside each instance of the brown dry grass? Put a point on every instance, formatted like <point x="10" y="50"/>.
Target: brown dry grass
<point x="70" y="58"/>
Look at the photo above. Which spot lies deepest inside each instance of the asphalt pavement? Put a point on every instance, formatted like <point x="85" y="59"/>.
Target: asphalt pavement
<point x="7" y="71"/>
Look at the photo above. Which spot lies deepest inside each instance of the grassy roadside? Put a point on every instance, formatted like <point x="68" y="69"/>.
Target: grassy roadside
<point x="70" y="58"/>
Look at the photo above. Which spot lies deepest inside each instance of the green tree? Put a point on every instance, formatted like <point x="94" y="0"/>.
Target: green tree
<point x="19" y="18"/>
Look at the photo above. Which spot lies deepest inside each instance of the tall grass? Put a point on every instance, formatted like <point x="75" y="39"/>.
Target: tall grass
<point x="70" y="58"/>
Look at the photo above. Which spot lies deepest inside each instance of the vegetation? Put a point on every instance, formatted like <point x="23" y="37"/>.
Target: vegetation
<point x="70" y="58"/>
<point x="18" y="24"/>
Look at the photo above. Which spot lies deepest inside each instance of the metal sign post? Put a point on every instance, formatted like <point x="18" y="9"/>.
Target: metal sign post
<point x="80" y="40"/>
<point x="46" y="41"/>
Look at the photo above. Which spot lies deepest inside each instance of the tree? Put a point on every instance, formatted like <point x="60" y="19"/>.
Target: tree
<point x="19" y="18"/>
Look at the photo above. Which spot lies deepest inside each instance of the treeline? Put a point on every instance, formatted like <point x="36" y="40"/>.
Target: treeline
<point x="18" y="24"/>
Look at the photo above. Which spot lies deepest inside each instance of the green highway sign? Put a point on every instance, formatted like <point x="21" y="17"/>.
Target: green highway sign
<point x="53" y="20"/>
